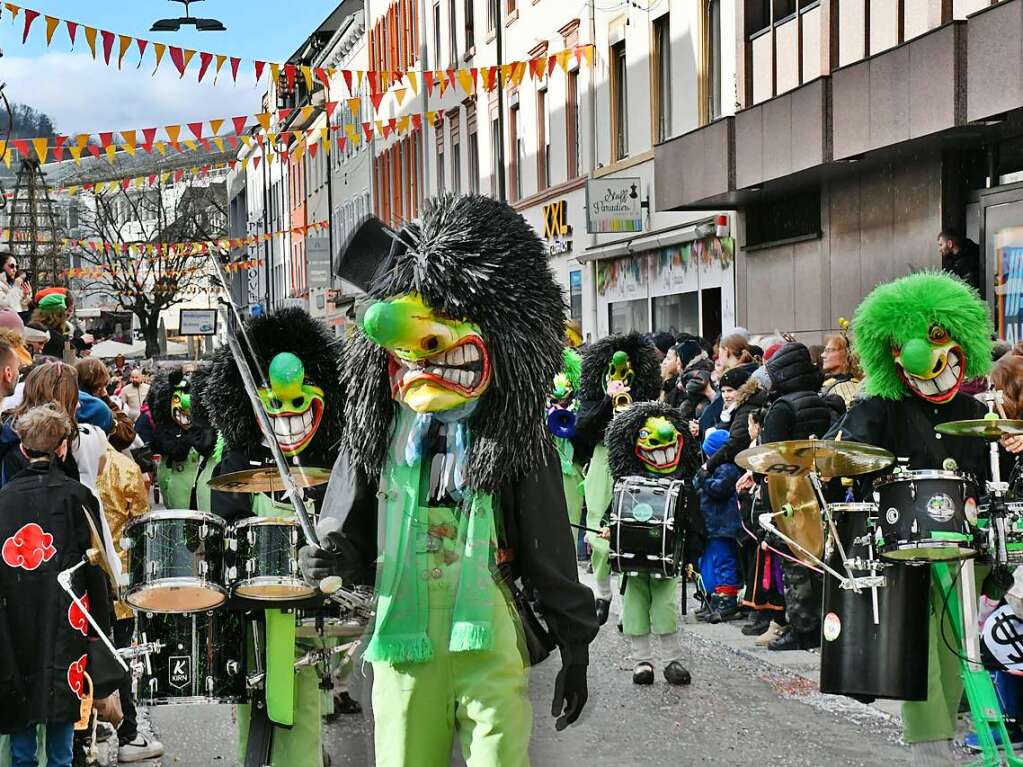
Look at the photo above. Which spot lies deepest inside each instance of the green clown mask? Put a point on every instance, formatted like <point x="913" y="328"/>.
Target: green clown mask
<point x="294" y="404"/>
<point x="436" y="363"/>
<point x="657" y="445"/>
<point x="181" y="408"/>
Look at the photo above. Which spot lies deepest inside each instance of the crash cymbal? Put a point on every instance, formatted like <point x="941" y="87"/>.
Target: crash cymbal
<point x="830" y="458"/>
<point x="267" y="480"/>
<point x="985" y="428"/>
<point x="803" y="522"/>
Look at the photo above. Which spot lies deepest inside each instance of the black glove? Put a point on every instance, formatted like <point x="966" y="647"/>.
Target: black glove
<point x="317" y="564"/>
<point x="570" y="694"/>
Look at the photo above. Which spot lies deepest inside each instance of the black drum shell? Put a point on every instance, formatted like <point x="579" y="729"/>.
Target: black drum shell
<point x="211" y="645"/>
<point x="270" y="545"/>
<point x="661" y="536"/>
<point x="886" y="660"/>
<point x="903" y="500"/>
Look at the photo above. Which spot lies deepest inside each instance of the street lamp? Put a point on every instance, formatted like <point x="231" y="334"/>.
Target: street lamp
<point x="201" y="25"/>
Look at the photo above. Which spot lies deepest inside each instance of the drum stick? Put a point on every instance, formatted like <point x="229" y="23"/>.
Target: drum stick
<point x="584" y="527"/>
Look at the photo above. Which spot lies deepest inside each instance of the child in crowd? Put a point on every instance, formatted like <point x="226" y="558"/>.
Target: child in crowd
<point x="43" y="633"/>
<point x="719" y="565"/>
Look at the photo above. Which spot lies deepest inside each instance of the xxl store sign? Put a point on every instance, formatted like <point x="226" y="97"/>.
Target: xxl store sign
<point x="556" y="228"/>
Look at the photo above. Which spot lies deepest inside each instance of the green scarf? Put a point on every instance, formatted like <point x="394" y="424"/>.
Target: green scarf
<point x="402" y="620"/>
<point x="566" y="452"/>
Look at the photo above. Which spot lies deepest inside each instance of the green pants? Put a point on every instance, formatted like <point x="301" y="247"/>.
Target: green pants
<point x="935" y="718"/>
<point x="598" y="489"/>
<point x="573" y="499"/>
<point x="482" y="694"/>
<point x="649" y="605"/>
<point x="176" y="482"/>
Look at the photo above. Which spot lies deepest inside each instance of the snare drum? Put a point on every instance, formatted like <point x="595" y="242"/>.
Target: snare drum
<point x="175" y="561"/>
<point x="201" y="658"/>
<point x="266" y="569"/>
<point x="925" y="516"/>
<point x="646" y="531"/>
<point x="861" y="657"/>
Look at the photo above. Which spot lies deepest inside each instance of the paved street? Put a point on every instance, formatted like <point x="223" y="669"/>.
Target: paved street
<point x="743" y="708"/>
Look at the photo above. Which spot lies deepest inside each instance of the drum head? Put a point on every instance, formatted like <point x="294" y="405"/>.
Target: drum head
<point x="929" y="551"/>
<point x="274" y="589"/>
<point x="176" y="599"/>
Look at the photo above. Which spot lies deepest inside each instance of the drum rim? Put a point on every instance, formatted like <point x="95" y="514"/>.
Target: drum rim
<point x="187" y="514"/>
<point x="264" y="521"/>
<point x="175" y="581"/>
<point x="272" y="580"/>
<point x="853" y="506"/>
<point x="195" y="700"/>
<point x="909" y="475"/>
<point x="651" y="481"/>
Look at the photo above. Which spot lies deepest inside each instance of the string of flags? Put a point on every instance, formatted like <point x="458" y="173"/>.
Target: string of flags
<point x="112" y="45"/>
<point x="98" y="272"/>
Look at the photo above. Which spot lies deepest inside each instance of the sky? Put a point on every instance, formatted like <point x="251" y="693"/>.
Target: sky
<point x="86" y="96"/>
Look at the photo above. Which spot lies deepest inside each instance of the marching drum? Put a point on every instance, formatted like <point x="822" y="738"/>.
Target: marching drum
<point x="925" y="516"/>
<point x="175" y="561"/>
<point x="266" y="564"/>
<point x="646" y="530"/>
<point x="866" y="655"/>
<point x="201" y="658"/>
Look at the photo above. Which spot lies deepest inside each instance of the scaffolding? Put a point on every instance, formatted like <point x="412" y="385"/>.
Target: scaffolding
<point x="33" y="234"/>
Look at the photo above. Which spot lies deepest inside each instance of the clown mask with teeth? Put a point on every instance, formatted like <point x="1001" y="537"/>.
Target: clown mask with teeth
<point x="295" y="405"/>
<point x="932" y="367"/>
<point x="657" y="445"/>
<point x="181" y="408"/>
<point x="436" y="363"/>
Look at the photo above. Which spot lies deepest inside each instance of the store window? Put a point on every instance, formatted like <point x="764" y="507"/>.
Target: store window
<point x="628" y="316"/>
<point x="470" y="27"/>
<point x="474" y="160"/>
<point x="677" y="313"/>
<point x="453" y="33"/>
<point x="575" y="295"/>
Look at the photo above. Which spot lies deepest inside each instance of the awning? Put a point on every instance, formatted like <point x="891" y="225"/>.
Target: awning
<point x="640" y="241"/>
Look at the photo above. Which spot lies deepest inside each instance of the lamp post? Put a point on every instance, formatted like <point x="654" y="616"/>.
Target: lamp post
<point x="201" y="25"/>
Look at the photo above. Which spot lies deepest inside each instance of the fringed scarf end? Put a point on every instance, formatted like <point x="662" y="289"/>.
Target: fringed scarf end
<point x="408" y="648"/>
<point x="466" y="636"/>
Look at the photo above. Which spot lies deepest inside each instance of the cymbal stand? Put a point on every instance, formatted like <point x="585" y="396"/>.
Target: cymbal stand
<point x="64" y="580"/>
<point x="850" y="580"/>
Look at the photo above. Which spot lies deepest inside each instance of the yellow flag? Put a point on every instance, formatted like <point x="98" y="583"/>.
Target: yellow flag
<point x="111" y="151"/>
<point x="215" y="126"/>
<point x="306" y="112"/>
<point x="9" y="156"/>
<point x="275" y="73"/>
<point x="90" y="37"/>
<point x="220" y="63"/>
<point x="160" y="147"/>
<point x="165" y="177"/>
<point x="41" y="145"/>
<point x="130" y="141"/>
<point x="219" y="142"/>
<point x="465" y="80"/>
<point x="307" y="73"/>
<point x="51" y="27"/>
<point x="188" y="55"/>
<point x="403" y="123"/>
<point x="355" y="105"/>
<point x="124" y="43"/>
<point x="264" y="120"/>
<point x="158" y="49"/>
<point x="247" y="140"/>
<point x="399" y="94"/>
<point x="413" y="81"/>
<point x="588" y="55"/>
<point x="563" y="59"/>
<point x="518" y="71"/>
<point x="173" y="131"/>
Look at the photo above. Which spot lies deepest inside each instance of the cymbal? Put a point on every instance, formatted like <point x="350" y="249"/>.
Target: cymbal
<point x="830" y="458"/>
<point x="985" y="428"/>
<point x="804" y="524"/>
<point x="267" y="480"/>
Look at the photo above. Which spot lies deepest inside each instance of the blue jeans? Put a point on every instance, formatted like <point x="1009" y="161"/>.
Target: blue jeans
<point x="59" y="739"/>
<point x="719" y="566"/>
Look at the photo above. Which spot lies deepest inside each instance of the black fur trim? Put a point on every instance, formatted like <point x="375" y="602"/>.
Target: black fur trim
<point x="642" y="354"/>
<point x="622" y="433"/>
<point x="197" y="383"/>
<point x="285" y="330"/>
<point x="471" y="258"/>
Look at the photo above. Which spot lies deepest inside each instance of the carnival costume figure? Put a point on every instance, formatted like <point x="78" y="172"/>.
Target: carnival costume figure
<point x="650" y="439"/>
<point x="448" y="378"/>
<point x="561" y="418"/>
<point x="174" y="439"/>
<point x="298" y="358"/>
<point x="918" y="338"/>
<point x="616" y="370"/>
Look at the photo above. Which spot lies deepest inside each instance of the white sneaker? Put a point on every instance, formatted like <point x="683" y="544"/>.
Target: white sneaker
<point x="139" y="749"/>
<point x="774" y="631"/>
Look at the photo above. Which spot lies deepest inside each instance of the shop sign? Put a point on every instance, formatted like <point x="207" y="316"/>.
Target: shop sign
<point x="556" y="228"/>
<point x="613" y="205"/>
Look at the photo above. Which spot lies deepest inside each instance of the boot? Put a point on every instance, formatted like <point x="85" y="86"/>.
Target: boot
<point x="603" y="610"/>
<point x="758" y="624"/>
<point x="675" y="673"/>
<point x="795" y="640"/>
<point x="643" y="673"/>
<point x="723" y="608"/>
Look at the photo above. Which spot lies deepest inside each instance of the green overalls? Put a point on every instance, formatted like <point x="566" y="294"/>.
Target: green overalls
<point x="176" y="482"/>
<point x="205" y="473"/>
<point x="572" y="477"/>
<point x="418" y="706"/>
<point x="297" y="694"/>
<point x="598" y="489"/>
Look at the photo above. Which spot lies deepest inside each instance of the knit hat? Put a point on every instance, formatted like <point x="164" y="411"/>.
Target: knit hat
<point x="762" y="377"/>
<point x="714" y="440"/>
<point x="772" y="349"/>
<point x="11" y="321"/>
<point x="734" y="378"/>
<point x="687" y="351"/>
<point x="41" y="294"/>
<point x="53" y="301"/>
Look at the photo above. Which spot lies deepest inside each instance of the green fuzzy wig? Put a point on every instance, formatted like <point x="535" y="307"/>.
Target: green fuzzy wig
<point x="896" y="312"/>
<point x="572" y="367"/>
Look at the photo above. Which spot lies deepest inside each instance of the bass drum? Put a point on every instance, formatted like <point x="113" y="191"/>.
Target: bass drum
<point x="646" y="526"/>
<point x="861" y="658"/>
<point x="201" y="658"/>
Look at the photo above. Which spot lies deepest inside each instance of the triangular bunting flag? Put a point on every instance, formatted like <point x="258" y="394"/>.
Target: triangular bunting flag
<point x="158" y="49"/>
<point x="205" y="59"/>
<point x="41" y="145"/>
<point x="90" y="38"/>
<point x="72" y="31"/>
<point x="123" y="44"/>
<point x="51" y="27"/>
<point x="239" y="123"/>
<point x="235" y="63"/>
<point x="307" y="74"/>
<point x="196" y="129"/>
<point x="30" y="16"/>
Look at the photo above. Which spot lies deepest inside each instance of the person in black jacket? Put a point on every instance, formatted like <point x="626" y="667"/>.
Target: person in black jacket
<point x="447" y="381"/>
<point x="797" y="411"/>
<point x="749" y="396"/>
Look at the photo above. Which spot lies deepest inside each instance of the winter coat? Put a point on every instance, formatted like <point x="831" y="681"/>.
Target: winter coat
<point x="43" y="644"/>
<point x="750" y="398"/>
<point x="13" y="461"/>
<point x="797" y="410"/>
<point x="719" y="501"/>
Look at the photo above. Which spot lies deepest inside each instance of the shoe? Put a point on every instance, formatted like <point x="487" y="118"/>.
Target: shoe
<point x="603" y="610"/>
<point x="104" y="732"/>
<point x="703" y="612"/>
<point x="643" y="673"/>
<point x="773" y="632"/>
<point x="723" y="609"/>
<point x="972" y="742"/>
<point x="345" y="704"/>
<point x="795" y="640"/>
<point x="758" y="624"/>
<point x="139" y="749"/>
<point x="675" y="673"/>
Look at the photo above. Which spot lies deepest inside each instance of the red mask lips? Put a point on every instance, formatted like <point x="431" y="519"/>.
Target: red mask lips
<point x="464" y="368"/>
<point x="296" y="430"/>
<point x="662" y="457"/>
<point x="944" y="387"/>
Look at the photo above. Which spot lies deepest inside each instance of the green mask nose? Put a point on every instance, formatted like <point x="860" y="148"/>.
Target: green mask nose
<point x="287" y="373"/>
<point x="666" y="432"/>
<point x="916" y="357"/>
<point x="186" y="401"/>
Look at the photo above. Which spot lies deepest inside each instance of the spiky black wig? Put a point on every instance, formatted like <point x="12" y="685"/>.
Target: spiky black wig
<point x="645" y="365"/>
<point x="471" y="258"/>
<point x="197" y="383"/>
<point x="286" y="330"/>
<point x="161" y="390"/>
<point x="622" y="433"/>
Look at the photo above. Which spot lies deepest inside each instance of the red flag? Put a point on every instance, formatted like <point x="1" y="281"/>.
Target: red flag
<point x="142" y="49"/>
<point x="235" y="62"/>
<point x="330" y="106"/>
<point x="72" y="30"/>
<point x="232" y="163"/>
<point x="284" y="114"/>
<point x="347" y="75"/>
<point x="367" y="128"/>
<point x="205" y="142"/>
<point x="372" y="81"/>
<point x="428" y="79"/>
<point x="149" y="134"/>
<point x="178" y="175"/>
<point x="108" y="44"/>
<point x="451" y="77"/>
<point x="239" y="123"/>
<point x="196" y="129"/>
<point x="151" y="179"/>
<point x="94" y="150"/>
<point x="417" y="122"/>
<point x="255" y="161"/>
<point x="321" y="75"/>
<point x="178" y="57"/>
<point x="341" y="142"/>
<point x="233" y="141"/>
<point x="204" y="63"/>
<point x="260" y="65"/>
<point x="312" y="150"/>
<point x="125" y="182"/>
<point x="106" y="139"/>
<point x="551" y="63"/>
<point x="291" y="71"/>
<point x="30" y="16"/>
<point x="58" y="147"/>
<point x="376" y="98"/>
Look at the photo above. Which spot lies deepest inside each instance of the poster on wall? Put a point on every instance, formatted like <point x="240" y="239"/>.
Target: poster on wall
<point x="613" y="205"/>
<point x="1009" y="284"/>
